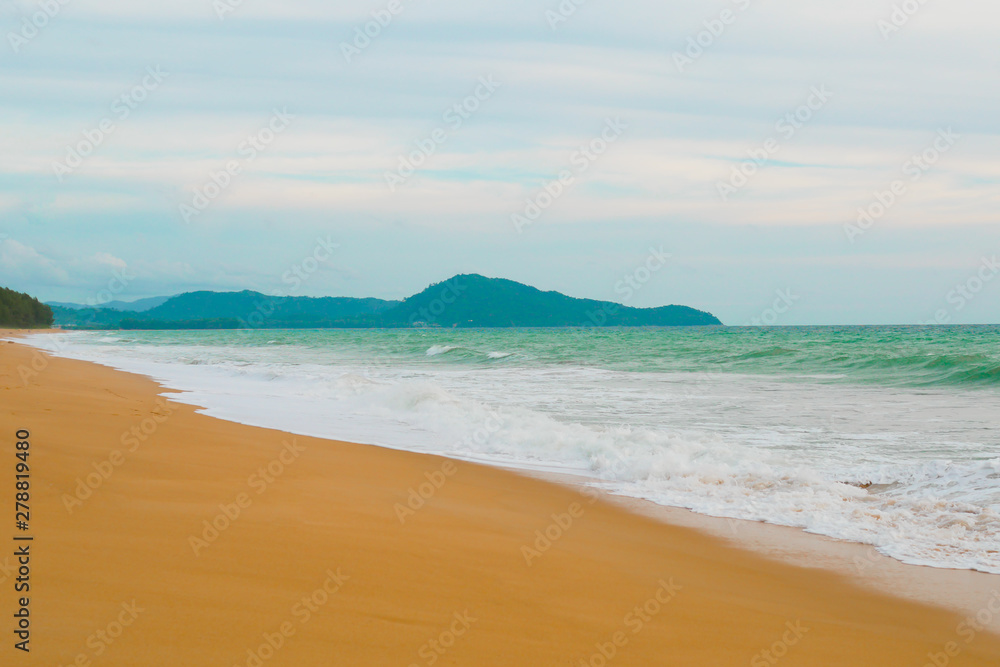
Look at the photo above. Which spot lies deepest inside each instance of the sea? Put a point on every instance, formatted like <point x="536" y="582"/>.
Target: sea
<point x="887" y="436"/>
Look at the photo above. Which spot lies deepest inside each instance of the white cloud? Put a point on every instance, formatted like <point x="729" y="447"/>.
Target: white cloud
<point x="354" y="120"/>
<point x="21" y="264"/>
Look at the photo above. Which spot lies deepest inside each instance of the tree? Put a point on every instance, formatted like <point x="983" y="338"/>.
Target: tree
<point x="21" y="311"/>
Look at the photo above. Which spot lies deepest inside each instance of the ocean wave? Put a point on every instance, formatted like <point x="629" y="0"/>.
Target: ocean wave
<point x="728" y="445"/>
<point x="768" y="352"/>
<point x="435" y="350"/>
<point x="935" y="512"/>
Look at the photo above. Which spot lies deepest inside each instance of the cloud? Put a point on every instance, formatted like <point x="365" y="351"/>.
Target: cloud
<point x="687" y="131"/>
<point x="23" y="264"/>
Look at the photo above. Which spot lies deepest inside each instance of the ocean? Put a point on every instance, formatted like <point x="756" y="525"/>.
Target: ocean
<point x="888" y="436"/>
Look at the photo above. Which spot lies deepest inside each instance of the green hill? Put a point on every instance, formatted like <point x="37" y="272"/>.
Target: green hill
<point x="476" y="301"/>
<point x="288" y="310"/>
<point x="462" y="301"/>
<point x="20" y="311"/>
<point x="231" y="310"/>
<point x="139" y="306"/>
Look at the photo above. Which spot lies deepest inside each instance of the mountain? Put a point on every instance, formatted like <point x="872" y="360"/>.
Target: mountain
<point x="21" y="311"/>
<point x="298" y="311"/>
<point x="475" y="301"/>
<point x="231" y="310"/>
<point x="139" y="306"/>
<point x="86" y="317"/>
<point x="462" y="301"/>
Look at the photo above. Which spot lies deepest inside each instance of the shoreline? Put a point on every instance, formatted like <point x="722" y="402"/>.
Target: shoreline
<point x="765" y="537"/>
<point x="960" y="590"/>
<point x="406" y="578"/>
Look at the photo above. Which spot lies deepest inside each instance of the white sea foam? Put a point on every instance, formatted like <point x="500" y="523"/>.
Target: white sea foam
<point x="919" y="478"/>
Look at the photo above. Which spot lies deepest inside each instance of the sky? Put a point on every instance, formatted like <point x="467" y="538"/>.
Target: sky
<point x="799" y="161"/>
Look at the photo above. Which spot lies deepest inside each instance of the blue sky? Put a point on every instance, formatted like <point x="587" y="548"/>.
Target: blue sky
<point x="746" y="158"/>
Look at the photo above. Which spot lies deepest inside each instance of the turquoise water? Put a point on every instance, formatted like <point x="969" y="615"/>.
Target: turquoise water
<point x="899" y="356"/>
<point x="883" y="435"/>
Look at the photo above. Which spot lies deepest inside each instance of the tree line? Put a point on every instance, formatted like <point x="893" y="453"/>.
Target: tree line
<point x="21" y="311"/>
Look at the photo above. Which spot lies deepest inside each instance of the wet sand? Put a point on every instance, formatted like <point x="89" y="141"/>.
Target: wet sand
<point x="166" y="537"/>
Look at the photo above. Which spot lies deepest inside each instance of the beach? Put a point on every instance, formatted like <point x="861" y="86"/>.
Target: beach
<point x="166" y="537"/>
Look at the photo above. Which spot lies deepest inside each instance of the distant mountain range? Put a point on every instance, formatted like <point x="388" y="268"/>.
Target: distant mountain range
<point x="139" y="306"/>
<point x="462" y="301"/>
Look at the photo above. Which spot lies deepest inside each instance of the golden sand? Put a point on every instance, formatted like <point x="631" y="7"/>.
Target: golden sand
<point x="330" y="553"/>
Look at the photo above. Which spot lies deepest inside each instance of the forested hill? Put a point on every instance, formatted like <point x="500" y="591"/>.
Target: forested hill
<point x="233" y="310"/>
<point x="475" y="301"/>
<point x="463" y="301"/>
<point x="20" y="311"/>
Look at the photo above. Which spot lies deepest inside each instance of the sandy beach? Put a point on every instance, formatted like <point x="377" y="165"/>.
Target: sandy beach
<point x="166" y="537"/>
